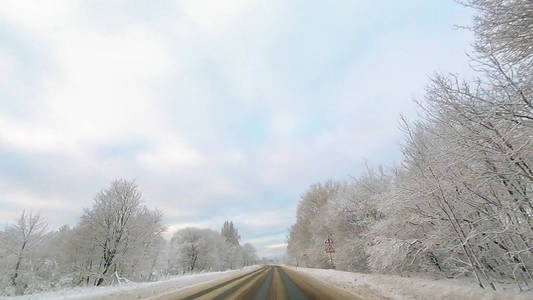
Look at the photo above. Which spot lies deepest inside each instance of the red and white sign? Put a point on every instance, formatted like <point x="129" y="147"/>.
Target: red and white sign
<point x="329" y="245"/>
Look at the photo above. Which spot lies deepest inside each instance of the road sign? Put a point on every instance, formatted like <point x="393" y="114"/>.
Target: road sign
<point x="329" y="245"/>
<point x="330" y="250"/>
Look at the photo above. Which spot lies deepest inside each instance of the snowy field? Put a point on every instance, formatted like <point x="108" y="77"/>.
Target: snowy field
<point x="377" y="286"/>
<point x="133" y="290"/>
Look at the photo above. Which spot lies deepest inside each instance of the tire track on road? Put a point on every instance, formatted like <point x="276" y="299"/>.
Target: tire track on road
<point x="264" y="283"/>
<point x="262" y="293"/>
<point x="185" y="294"/>
<point x="293" y="291"/>
<point x="245" y="289"/>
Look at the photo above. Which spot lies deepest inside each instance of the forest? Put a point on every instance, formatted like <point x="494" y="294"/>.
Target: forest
<point x="459" y="204"/>
<point x="117" y="240"/>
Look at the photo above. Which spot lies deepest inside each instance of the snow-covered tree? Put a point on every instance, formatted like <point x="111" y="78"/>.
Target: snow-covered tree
<point x="232" y="251"/>
<point x="18" y="240"/>
<point x="195" y="249"/>
<point x="230" y="233"/>
<point x="116" y="236"/>
<point x="249" y="254"/>
<point x="459" y="205"/>
<point x="117" y="239"/>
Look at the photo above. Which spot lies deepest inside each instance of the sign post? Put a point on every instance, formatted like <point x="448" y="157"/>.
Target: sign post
<point x="330" y="250"/>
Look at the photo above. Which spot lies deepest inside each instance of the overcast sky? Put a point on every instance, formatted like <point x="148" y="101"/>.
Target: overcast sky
<point x="218" y="109"/>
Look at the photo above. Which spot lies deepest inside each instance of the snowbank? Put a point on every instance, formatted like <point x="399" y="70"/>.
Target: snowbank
<point x="133" y="290"/>
<point x="377" y="286"/>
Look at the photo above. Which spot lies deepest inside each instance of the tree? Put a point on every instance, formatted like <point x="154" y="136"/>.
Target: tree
<point x="117" y="228"/>
<point x="306" y="237"/>
<point x="195" y="249"/>
<point x="232" y="251"/>
<point x="143" y="245"/>
<point x="230" y="233"/>
<point x="460" y="202"/>
<point x="346" y="211"/>
<point x="22" y="237"/>
<point x="117" y="238"/>
<point x="110" y="218"/>
<point x="503" y="29"/>
<point x="249" y="254"/>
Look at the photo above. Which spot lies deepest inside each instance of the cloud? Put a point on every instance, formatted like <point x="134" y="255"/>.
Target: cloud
<point x="212" y="16"/>
<point x="219" y="110"/>
<point x="170" y="155"/>
<point x="275" y="250"/>
<point x="276" y="246"/>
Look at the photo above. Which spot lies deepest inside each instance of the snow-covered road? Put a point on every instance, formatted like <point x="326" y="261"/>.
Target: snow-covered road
<point x="284" y="282"/>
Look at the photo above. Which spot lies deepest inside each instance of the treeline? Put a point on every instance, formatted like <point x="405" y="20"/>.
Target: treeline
<point x="117" y="240"/>
<point x="459" y="203"/>
<point x="204" y="249"/>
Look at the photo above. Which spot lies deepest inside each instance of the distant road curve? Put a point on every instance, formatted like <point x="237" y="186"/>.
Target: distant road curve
<point x="264" y="283"/>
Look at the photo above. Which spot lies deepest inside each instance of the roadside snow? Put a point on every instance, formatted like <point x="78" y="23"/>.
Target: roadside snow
<point x="133" y="290"/>
<point x="377" y="286"/>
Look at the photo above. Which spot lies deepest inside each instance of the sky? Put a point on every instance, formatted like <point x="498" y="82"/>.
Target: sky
<point x="219" y="110"/>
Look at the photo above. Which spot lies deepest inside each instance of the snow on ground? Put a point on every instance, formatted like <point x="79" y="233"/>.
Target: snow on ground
<point x="133" y="290"/>
<point x="377" y="286"/>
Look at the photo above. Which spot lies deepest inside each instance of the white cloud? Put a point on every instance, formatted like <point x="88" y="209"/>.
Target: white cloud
<point x="40" y="16"/>
<point x="170" y="155"/>
<point x="171" y="229"/>
<point x="101" y="82"/>
<point x="275" y="250"/>
<point x="185" y="82"/>
<point x="276" y="246"/>
<point x="7" y="65"/>
<point x="212" y="16"/>
<point x="15" y="199"/>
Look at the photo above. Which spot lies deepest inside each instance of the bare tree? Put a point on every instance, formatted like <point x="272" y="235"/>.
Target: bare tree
<point x="110" y="218"/>
<point x="460" y="203"/>
<point x="504" y="28"/>
<point x="22" y="237"/>
<point x="195" y="249"/>
<point x="249" y="254"/>
<point x="117" y="238"/>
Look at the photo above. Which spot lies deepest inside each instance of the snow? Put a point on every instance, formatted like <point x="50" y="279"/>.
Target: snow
<point x="133" y="290"/>
<point x="378" y="286"/>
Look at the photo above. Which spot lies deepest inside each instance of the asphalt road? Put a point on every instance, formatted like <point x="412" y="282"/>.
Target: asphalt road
<point x="265" y="283"/>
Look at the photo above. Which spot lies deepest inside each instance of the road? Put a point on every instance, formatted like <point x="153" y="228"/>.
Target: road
<point x="268" y="282"/>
